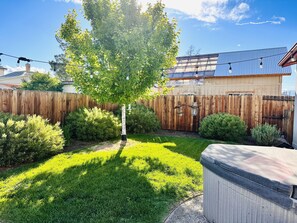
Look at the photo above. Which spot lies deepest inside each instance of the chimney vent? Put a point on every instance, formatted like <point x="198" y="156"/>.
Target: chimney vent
<point x="27" y="67"/>
<point x="2" y="69"/>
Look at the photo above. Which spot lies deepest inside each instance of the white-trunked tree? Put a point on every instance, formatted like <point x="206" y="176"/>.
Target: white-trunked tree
<point x="121" y="58"/>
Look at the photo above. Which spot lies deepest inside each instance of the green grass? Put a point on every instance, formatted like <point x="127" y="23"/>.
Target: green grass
<point x="135" y="184"/>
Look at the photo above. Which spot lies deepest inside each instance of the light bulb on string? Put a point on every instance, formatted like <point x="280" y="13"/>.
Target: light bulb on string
<point x="23" y="59"/>
<point x="127" y="78"/>
<point x="54" y="66"/>
<point x="230" y="68"/>
<point x="197" y="69"/>
<point x="261" y="62"/>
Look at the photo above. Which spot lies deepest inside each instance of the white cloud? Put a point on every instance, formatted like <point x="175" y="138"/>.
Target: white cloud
<point x="210" y="26"/>
<point x="206" y="10"/>
<point x="239" y="12"/>
<point x="203" y="10"/>
<point x="23" y="68"/>
<point x="280" y="18"/>
<point x="275" y="20"/>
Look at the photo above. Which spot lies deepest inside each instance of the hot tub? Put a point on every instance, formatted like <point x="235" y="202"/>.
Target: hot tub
<point x="249" y="184"/>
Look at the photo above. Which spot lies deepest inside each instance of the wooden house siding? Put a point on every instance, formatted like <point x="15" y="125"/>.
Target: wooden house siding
<point x="255" y="85"/>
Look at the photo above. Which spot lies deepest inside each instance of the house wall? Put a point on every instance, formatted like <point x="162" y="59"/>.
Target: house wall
<point x="256" y="85"/>
<point x="2" y="86"/>
<point x="69" y="89"/>
<point x="14" y="80"/>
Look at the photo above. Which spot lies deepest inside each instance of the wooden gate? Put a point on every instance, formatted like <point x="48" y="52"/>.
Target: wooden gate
<point x="279" y="111"/>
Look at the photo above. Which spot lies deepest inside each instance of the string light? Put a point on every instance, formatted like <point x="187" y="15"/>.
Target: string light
<point x="127" y="78"/>
<point x="19" y="59"/>
<point x="54" y="65"/>
<point x="197" y="69"/>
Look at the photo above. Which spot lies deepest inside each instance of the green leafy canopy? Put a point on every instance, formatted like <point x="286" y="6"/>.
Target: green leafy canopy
<point x="122" y="57"/>
<point x="42" y="82"/>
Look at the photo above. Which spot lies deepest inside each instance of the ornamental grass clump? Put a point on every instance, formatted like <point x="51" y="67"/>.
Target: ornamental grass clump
<point x="92" y="125"/>
<point x="265" y="135"/>
<point x="223" y="126"/>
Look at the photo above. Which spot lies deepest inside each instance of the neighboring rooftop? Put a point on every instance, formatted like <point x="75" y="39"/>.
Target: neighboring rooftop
<point x="14" y="74"/>
<point x="243" y="63"/>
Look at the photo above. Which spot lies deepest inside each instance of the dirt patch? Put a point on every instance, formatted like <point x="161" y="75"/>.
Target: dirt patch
<point x="115" y="145"/>
<point x="76" y="144"/>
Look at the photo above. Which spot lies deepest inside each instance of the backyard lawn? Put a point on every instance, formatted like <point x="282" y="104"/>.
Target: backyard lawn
<point x="137" y="183"/>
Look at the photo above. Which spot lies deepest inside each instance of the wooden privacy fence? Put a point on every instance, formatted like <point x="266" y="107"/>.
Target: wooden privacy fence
<point x="174" y="112"/>
<point x="254" y="110"/>
<point x="51" y="105"/>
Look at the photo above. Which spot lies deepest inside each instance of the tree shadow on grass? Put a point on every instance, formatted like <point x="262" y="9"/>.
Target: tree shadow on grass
<point x="187" y="146"/>
<point x="16" y="170"/>
<point x="96" y="191"/>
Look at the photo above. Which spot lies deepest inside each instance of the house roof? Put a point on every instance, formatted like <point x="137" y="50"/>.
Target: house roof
<point x="14" y="74"/>
<point x="243" y="63"/>
<point x="290" y="58"/>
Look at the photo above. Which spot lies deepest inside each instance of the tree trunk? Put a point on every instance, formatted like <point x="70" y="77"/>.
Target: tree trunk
<point x="124" y="134"/>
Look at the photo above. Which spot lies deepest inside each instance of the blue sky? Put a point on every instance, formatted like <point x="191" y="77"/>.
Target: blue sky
<point x="28" y="27"/>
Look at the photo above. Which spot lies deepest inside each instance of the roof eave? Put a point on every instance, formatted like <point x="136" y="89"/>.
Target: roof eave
<point x="285" y="61"/>
<point x="250" y="75"/>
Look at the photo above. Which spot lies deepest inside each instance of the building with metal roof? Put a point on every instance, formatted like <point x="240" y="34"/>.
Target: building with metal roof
<point x="240" y="72"/>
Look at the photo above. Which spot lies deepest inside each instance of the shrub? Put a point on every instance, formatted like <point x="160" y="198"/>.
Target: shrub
<point x="66" y="134"/>
<point x="93" y="124"/>
<point x="44" y="139"/>
<point x="4" y="117"/>
<point x="265" y="135"/>
<point x="141" y="119"/>
<point x="28" y="140"/>
<point x="223" y="126"/>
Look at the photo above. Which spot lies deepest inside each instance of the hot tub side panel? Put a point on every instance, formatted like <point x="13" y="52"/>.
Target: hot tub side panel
<point x="226" y="202"/>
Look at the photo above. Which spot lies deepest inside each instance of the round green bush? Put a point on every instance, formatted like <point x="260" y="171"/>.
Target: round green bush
<point x="28" y="140"/>
<point x="265" y="135"/>
<point x="93" y="124"/>
<point x="141" y="119"/>
<point x="223" y="126"/>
